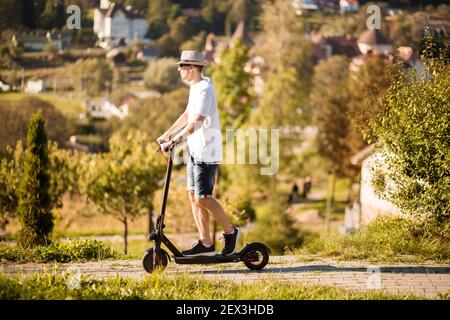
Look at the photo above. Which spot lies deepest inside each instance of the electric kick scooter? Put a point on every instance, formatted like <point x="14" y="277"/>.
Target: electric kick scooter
<point x="255" y="255"/>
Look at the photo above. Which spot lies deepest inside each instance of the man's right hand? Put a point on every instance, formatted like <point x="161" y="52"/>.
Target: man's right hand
<point x="163" y="138"/>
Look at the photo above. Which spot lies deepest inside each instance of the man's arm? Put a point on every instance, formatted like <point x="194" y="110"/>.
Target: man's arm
<point x="190" y="128"/>
<point x="178" y="124"/>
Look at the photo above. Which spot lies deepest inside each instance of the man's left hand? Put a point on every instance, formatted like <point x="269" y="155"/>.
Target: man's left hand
<point x="166" y="146"/>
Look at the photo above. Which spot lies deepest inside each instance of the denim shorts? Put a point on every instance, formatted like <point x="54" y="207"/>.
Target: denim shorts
<point x="200" y="177"/>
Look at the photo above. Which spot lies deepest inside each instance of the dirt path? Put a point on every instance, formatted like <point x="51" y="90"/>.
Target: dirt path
<point x="426" y="280"/>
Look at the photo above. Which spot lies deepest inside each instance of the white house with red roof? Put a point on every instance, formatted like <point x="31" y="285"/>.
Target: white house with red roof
<point x="349" y="6"/>
<point x="117" y="25"/>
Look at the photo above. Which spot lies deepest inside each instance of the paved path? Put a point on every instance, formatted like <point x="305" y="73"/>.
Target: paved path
<point x="426" y="280"/>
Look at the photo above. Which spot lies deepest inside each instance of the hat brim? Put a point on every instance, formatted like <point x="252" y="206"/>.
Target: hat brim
<point x="193" y="63"/>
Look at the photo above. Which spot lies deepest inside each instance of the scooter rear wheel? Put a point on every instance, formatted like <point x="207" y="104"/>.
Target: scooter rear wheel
<point x="256" y="256"/>
<point x="148" y="263"/>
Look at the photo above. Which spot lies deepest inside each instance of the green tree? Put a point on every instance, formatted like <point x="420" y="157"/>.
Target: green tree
<point x="170" y="43"/>
<point x="366" y="85"/>
<point x="15" y="116"/>
<point x="160" y="14"/>
<point x="414" y="129"/>
<point x="406" y="30"/>
<point x="287" y="73"/>
<point x="154" y="115"/>
<point x="197" y="42"/>
<point x="242" y="10"/>
<point x="34" y="201"/>
<point x="53" y="15"/>
<point x="233" y="85"/>
<point x="213" y="14"/>
<point x="121" y="182"/>
<point x="282" y="44"/>
<point x="7" y="19"/>
<point x="329" y="97"/>
<point x="91" y="75"/>
<point x="275" y="228"/>
<point x="280" y="107"/>
<point x="63" y="170"/>
<point x="162" y="75"/>
<point x="10" y="173"/>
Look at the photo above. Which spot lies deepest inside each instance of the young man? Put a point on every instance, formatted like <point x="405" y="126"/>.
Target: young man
<point x="202" y="130"/>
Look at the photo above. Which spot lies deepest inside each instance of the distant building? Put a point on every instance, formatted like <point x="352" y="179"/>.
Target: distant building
<point x="105" y="109"/>
<point x="410" y="59"/>
<point x="148" y="54"/>
<point x="348" y="6"/>
<point x="326" y="46"/>
<point x="116" y="25"/>
<point x="370" y="204"/>
<point x="440" y="29"/>
<point x="311" y="5"/>
<point x="37" y="42"/>
<point x="4" y="87"/>
<point x="116" y="57"/>
<point x="30" y="42"/>
<point x="374" y="41"/>
<point x="60" y="40"/>
<point x="214" y="46"/>
<point x="35" y="86"/>
<point x="73" y="144"/>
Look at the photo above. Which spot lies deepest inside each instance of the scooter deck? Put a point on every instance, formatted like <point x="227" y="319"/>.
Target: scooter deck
<point x="218" y="258"/>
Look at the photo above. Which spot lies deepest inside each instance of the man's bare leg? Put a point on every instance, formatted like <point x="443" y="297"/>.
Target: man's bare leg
<point x="214" y="207"/>
<point x="201" y="218"/>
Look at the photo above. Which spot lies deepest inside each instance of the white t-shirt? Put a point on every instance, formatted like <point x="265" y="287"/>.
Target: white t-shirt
<point x="205" y="144"/>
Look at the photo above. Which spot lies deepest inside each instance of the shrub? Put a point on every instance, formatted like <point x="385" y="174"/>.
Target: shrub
<point x="387" y="238"/>
<point x="34" y="205"/>
<point x="416" y="165"/>
<point x="162" y="76"/>
<point x="275" y="228"/>
<point x="80" y="250"/>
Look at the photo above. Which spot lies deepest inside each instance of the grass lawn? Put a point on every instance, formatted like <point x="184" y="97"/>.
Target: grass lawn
<point x="387" y="239"/>
<point x="171" y="287"/>
<point x="69" y="106"/>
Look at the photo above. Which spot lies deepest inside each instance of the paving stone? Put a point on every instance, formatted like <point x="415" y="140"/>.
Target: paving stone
<point x="426" y="280"/>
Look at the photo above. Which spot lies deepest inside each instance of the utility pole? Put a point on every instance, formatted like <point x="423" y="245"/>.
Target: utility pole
<point x="22" y="81"/>
<point x="329" y="196"/>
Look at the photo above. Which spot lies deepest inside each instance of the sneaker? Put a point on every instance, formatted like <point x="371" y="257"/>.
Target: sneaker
<point x="198" y="249"/>
<point x="231" y="241"/>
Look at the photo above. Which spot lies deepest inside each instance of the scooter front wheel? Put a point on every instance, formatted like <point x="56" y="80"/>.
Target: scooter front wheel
<point x="255" y="256"/>
<point x="160" y="263"/>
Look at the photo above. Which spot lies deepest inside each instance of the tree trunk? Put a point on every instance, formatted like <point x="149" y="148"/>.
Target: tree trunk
<point x="333" y="186"/>
<point x="350" y="196"/>
<point x="330" y="196"/>
<point x="125" y="236"/>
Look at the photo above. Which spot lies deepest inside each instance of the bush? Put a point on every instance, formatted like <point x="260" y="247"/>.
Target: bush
<point x="387" y="239"/>
<point x="161" y="75"/>
<point x="76" y="251"/>
<point x="274" y="228"/>
<point x="414" y="173"/>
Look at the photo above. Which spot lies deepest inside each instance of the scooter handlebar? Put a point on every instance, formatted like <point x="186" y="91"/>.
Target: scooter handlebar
<point x="166" y="149"/>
